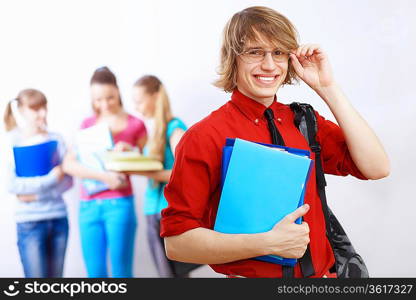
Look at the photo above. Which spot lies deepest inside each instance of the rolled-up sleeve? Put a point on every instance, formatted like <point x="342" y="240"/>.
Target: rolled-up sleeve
<point x="195" y="176"/>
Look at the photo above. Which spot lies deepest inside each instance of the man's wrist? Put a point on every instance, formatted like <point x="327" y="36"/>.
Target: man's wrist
<point x="327" y="92"/>
<point x="262" y="243"/>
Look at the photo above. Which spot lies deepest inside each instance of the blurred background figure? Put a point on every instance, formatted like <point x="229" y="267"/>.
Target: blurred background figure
<point x="107" y="219"/>
<point x="151" y="100"/>
<point x="41" y="214"/>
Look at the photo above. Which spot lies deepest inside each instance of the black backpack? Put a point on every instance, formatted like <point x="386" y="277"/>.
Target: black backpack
<point x="348" y="263"/>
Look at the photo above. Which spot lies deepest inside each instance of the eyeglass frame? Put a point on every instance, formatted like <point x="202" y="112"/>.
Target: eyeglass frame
<point x="243" y="57"/>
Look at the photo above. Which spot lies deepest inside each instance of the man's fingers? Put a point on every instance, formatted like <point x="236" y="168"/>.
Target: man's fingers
<point x="300" y="50"/>
<point x="299" y="212"/>
<point x="306" y="226"/>
<point x="296" y="64"/>
<point x="307" y="50"/>
<point x="310" y="51"/>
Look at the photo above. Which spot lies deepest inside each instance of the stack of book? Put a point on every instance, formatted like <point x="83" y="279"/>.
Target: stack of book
<point x="94" y="149"/>
<point x="130" y="161"/>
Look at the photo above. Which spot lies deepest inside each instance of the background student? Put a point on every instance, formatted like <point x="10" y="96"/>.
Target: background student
<point x="107" y="219"/>
<point x="152" y="101"/>
<point x="41" y="215"/>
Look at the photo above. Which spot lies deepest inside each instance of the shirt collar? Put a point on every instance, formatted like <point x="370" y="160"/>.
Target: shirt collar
<point x="252" y="109"/>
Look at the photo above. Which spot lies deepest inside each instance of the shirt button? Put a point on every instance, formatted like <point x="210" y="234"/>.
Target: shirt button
<point x="256" y="121"/>
<point x="279" y="120"/>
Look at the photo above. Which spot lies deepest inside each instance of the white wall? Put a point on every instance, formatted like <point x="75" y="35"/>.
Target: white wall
<point x="55" y="46"/>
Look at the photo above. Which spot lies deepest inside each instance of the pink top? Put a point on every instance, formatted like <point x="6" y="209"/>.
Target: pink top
<point x="134" y="130"/>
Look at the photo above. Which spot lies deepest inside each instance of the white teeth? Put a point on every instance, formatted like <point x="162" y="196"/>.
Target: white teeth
<point x="265" y="78"/>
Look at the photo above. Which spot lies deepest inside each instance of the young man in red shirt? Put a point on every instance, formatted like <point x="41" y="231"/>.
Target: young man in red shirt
<point x="260" y="53"/>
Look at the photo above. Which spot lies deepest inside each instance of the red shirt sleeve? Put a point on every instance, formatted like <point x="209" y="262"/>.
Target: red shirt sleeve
<point x="336" y="158"/>
<point x="195" y="177"/>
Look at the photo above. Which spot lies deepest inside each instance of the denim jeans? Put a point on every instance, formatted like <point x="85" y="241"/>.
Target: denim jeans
<point x="42" y="247"/>
<point x="108" y="225"/>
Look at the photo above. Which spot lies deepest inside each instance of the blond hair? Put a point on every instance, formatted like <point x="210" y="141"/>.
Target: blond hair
<point x="247" y="25"/>
<point x="30" y="97"/>
<point x="162" y="115"/>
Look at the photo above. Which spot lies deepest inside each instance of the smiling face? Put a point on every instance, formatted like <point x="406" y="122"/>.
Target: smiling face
<point x="34" y="116"/>
<point x="105" y="98"/>
<point x="261" y="80"/>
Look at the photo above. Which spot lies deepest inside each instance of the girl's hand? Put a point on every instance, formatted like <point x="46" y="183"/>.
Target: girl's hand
<point x="115" y="180"/>
<point x="312" y="65"/>
<point x="27" y="198"/>
<point x="140" y="173"/>
<point x="123" y="146"/>
<point x="58" y="172"/>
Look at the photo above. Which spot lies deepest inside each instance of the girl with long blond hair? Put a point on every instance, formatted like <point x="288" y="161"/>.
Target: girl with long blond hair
<point x="152" y="101"/>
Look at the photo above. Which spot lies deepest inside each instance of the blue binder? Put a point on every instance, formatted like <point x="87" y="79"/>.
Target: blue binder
<point x="36" y="160"/>
<point x="260" y="185"/>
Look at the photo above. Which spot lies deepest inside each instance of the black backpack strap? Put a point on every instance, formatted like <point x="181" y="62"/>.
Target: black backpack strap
<point x="306" y="111"/>
<point x="305" y="261"/>
<point x="346" y="258"/>
<point x="319" y="171"/>
<point x="287" y="272"/>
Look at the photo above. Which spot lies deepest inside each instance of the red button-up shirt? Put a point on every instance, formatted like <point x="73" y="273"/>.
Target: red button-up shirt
<point x="193" y="191"/>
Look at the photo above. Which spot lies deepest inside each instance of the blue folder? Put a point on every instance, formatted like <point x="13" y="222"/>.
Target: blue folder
<point x="36" y="160"/>
<point x="260" y="185"/>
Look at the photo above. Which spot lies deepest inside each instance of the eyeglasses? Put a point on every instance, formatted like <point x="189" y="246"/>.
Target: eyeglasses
<point x="258" y="54"/>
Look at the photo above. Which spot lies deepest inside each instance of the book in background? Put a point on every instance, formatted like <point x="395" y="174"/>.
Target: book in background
<point x="261" y="184"/>
<point x="130" y="161"/>
<point x="36" y="160"/>
<point x="92" y="143"/>
<point x="94" y="150"/>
